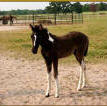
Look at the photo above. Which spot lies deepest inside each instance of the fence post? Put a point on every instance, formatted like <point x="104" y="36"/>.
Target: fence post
<point x="72" y="18"/>
<point x="33" y="17"/>
<point x="82" y="17"/>
<point x="25" y="19"/>
<point x="55" y="18"/>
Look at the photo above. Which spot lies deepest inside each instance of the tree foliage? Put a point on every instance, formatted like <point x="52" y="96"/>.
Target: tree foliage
<point x="54" y="7"/>
<point x="102" y="6"/>
<point x="61" y="7"/>
<point x="93" y="7"/>
<point x="86" y="7"/>
<point x="77" y="7"/>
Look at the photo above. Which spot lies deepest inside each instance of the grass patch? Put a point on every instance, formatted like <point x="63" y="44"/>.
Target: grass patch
<point x="17" y="40"/>
<point x="26" y="46"/>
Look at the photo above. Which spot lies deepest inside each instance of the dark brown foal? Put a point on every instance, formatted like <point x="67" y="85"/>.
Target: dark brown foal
<point x="54" y="47"/>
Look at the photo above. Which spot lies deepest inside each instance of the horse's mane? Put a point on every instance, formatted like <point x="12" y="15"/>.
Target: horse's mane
<point x="54" y="36"/>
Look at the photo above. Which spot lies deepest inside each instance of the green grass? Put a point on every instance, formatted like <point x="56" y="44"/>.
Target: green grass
<point x="19" y="42"/>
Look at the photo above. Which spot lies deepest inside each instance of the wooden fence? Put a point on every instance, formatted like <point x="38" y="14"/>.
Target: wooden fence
<point x="46" y="19"/>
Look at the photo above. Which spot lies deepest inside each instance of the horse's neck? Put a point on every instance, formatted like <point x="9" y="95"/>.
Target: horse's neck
<point x="48" y="44"/>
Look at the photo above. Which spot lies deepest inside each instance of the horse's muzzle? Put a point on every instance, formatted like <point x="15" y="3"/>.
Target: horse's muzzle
<point x="34" y="51"/>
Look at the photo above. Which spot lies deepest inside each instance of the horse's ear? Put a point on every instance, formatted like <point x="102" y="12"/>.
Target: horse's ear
<point x="40" y="27"/>
<point x="32" y="27"/>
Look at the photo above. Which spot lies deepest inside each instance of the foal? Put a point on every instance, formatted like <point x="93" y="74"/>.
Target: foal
<point x="54" y="47"/>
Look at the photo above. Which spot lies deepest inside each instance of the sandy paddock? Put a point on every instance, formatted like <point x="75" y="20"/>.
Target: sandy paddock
<point x="24" y="82"/>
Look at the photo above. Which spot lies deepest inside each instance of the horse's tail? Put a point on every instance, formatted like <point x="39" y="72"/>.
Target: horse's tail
<point x="86" y="50"/>
<point x="85" y="53"/>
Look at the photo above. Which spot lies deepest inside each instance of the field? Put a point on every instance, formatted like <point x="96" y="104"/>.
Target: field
<point x="18" y="41"/>
<point x="20" y="83"/>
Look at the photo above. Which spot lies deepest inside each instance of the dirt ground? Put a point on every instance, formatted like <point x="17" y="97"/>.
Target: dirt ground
<point x="24" y="82"/>
<point x="10" y="28"/>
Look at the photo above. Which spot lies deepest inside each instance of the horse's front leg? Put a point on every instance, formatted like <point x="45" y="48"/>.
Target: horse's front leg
<point x="55" y="65"/>
<point x="49" y="67"/>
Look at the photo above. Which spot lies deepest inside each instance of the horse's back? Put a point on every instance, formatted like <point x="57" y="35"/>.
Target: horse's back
<point x="75" y="35"/>
<point x="73" y="41"/>
<point x="81" y="41"/>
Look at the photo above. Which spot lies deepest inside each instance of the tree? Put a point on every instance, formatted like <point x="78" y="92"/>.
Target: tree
<point x="86" y="7"/>
<point x="54" y="7"/>
<point x="66" y="7"/>
<point x="102" y="6"/>
<point x="77" y="7"/>
<point x="59" y="7"/>
<point x="93" y="7"/>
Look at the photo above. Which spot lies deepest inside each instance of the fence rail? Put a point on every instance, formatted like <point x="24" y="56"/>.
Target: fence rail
<point x="50" y="18"/>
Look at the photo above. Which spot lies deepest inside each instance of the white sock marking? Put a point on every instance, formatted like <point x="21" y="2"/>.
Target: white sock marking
<point x="84" y="79"/>
<point x="84" y="74"/>
<point x="57" y="87"/>
<point x="80" y="79"/>
<point x="49" y="83"/>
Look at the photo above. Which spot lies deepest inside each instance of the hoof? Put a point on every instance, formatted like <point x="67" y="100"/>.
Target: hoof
<point x="47" y="95"/>
<point x="84" y="86"/>
<point x="56" y="96"/>
<point x="78" y="89"/>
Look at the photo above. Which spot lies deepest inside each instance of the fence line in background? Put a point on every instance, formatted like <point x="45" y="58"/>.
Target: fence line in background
<point x="50" y="18"/>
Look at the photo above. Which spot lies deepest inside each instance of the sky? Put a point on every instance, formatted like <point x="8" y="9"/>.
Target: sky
<point x="25" y="5"/>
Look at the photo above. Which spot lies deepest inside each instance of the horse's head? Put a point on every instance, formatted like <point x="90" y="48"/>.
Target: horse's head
<point x="39" y="36"/>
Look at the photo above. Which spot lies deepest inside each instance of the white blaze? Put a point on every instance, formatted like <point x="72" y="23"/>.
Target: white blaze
<point x="34" y="40"/>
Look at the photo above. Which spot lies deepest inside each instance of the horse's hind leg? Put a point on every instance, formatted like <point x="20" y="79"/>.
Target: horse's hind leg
<point x="84" y="74"/>
<point x="80" y="59"/>
<point x="80" y="79"/>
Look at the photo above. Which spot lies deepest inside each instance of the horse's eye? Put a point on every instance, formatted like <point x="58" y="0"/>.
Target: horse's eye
<point x="31" y="37"/>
